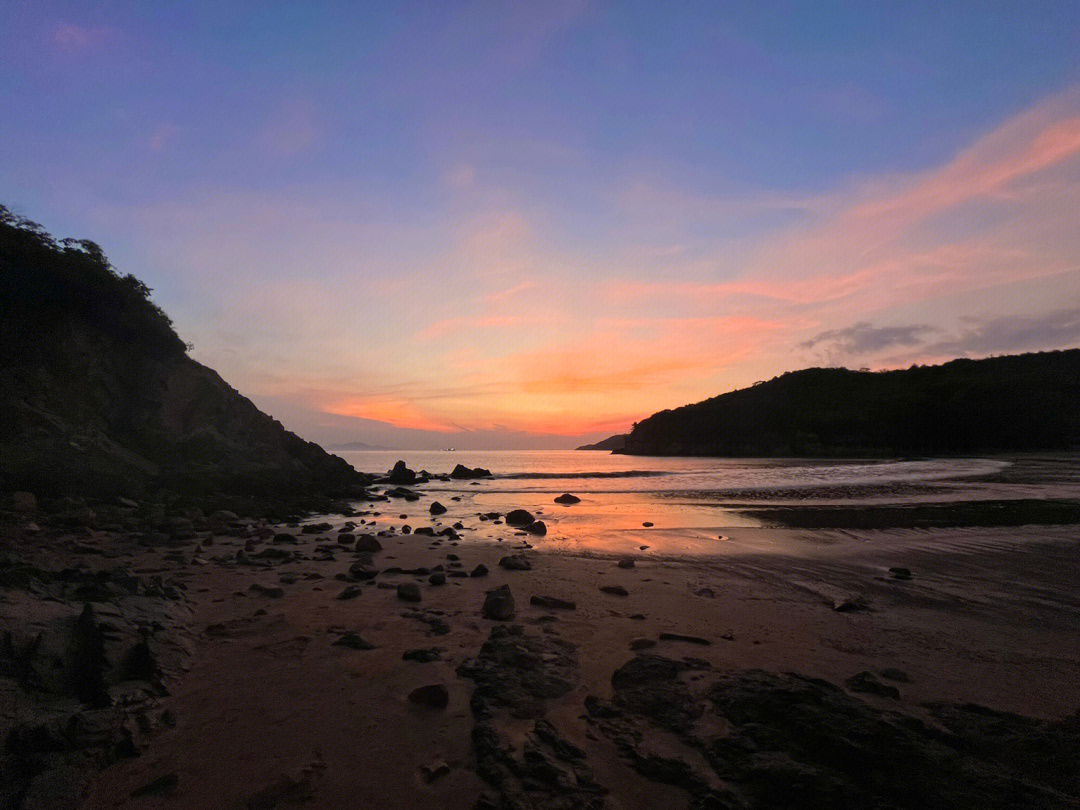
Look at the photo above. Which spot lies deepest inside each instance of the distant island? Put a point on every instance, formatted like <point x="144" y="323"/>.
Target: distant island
<point x="1015" y="403"/>
<point x="614" y="443"/>
<point x="352" y="446"/>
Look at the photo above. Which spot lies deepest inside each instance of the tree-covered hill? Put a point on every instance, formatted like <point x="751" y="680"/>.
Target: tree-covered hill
<point x="1028" y="402"/>
<point x="98" y="395"/>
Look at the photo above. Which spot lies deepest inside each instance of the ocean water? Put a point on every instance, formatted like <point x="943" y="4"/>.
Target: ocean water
<point x="597" y="472"/>
<point x="670" y="506"/>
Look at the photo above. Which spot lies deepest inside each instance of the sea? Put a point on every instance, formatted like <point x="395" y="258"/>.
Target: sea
<point x="675" y="504"/>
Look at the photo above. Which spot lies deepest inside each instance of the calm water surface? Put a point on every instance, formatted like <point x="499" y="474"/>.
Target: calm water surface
<point x="601" y="472"/>
<point x="692" y="504"/>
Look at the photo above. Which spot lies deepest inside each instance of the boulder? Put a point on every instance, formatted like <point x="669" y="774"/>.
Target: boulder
<point x="366" y="544"/>
<point x="499" y="604"/>
<point x="408" y="592"/>
<point x="433" y="696"/>
<point x="401" y="474"/>
<point x="461" y="473"/>
<point x="519" y="517"/>
<point x="481" y="570"/>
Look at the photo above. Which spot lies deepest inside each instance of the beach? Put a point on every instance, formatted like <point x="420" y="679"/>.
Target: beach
<point x="269" y="707"/>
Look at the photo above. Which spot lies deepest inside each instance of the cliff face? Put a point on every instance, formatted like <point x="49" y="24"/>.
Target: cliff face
<point x="1019" y="403"/>
<point x="98" y="395"/>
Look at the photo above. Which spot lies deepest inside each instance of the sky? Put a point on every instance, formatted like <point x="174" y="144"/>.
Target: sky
<point x="528" y="225"/>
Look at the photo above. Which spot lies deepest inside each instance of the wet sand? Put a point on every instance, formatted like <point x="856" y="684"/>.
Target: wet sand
<point x="271" y="713"/>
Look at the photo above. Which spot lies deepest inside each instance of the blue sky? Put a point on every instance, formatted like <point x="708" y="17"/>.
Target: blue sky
<point x="527" y="222"/>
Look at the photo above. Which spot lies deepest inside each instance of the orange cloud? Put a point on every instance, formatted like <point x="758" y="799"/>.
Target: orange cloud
<point x="396" y="412"/>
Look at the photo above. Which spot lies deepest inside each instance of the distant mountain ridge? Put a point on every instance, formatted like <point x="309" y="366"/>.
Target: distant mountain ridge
<point x="351" y="446"/>
<point x="613" y="443"/>
<point x="98" y="395"/>
<point x="1015" y="403"/>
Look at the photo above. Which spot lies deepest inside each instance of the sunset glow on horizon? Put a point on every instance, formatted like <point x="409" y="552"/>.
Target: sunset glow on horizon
<point x="530" y="225"/>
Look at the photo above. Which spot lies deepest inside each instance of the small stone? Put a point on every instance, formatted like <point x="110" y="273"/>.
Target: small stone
<point x="423" y="655"/>
<point x="849" y="605"/>
<point x="437" y="508"/>
<point x="271" y="592"/>
<point x="24" y="502"/>
<point x="162" y="786"/>
<point x="900" y="573"/>
<point x="552" y="603"/>
<point x="537" y="527"/>
<point x="642" y="643"/>
<point x="515" y="562"/>
<point x="687" y="639"/>
<point x="434" y="770"/>
<point x="647" y="524"/>
<point x="438" y="578"/>
<point x="433" y="696"/>
<point x="615" y="590"/>
<point x="626" y="562"/>
<point x="894" y="674"/>
<point x="351" y="592"/>
<point x="480" y="571"/>
<point x="353" y="641"/>
<point x="408" y="592"/>
<point x="567" y="498"/>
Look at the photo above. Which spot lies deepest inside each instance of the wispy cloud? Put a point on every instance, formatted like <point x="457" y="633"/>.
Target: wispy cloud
<point x="294" y="127"/>
<point x="73" y="38"/>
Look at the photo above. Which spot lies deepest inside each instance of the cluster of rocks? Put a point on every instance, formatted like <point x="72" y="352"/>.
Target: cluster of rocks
<point x="84" y="654"/>
<point x="758" y="739"/>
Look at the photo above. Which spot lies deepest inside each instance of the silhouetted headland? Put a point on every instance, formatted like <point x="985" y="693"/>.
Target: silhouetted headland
<point x="1009" y="404"/>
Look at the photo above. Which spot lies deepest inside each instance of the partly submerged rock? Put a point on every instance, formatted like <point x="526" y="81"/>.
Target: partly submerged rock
<point x="519" y="517"/>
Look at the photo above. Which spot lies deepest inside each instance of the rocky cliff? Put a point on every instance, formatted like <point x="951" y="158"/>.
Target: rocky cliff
<point x="98" y="395"/>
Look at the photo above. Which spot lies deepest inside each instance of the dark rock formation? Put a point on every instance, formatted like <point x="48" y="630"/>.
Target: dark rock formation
<point x="99" y="397"/>
<point x="462" y="473"/>
<point x="794" y="742"/>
